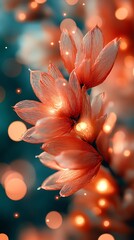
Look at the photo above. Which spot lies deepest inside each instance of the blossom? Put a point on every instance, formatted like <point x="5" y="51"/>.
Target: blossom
<point x="60" y="105"/>
<point x="77" y="163"/>
<point x="92" y="62"/>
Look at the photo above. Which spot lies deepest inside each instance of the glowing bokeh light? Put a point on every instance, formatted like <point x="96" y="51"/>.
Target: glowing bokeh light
<point x="126" y="153"/>
<point x="15" y="189"/>
<point x="102" y="202"/>
<point x="33" y="5"/>
<point x="72" y="2"/>
<point x="106" y="236"/>
<point x="123" y="44"/>
<point x="94" y="21"/>
<point x="102" y="185"/>
<point x="53" y="220"/>
<point x="79" y="220"/>
<point x="106" y="223"/>
<point x="129" y="61"/>
<point x="69" y="25"/>
<point x="21" y="16"/>
<point x="3" y="236"/>
<point x="109" y="123"/>
<point x="18" y="91"/>
<point x="40" y="1"/>
<point x="81" y="126"/>
<point x="121" y="13"/>
<point x="16" y="129"/>
<point x="16" y="215"/>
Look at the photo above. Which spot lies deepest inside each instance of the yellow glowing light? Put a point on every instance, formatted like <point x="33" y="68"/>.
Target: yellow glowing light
<point x="72" y="2"/>
<point x="102" y="202"/>
<point x="21" y="16"/>
<point x="126" y="153"/>
<point x="64" y="14"/>
<point x="53" y="220"/>
<point x="129" y="61"/>
<point x="123" y="44"/>
<point x="81" y="126"/>
<point x="110" y="150"/>
<point x="52" y="43"/>
<point x="33" y="5"/>
<point x="40" y="1"/>
<point x="15" y="189"/>
<point x="121" y="13"/>
<point x="83" y="4"/>
<point x="67" y="53"/>
<point x="18" y="90"/>
<point x="16" y="215"/>
<point x="106" y="236"/>
<point x="16" y="129"/>
<point x="79" y="220"/>
<point x="106" y="223"/>
<point x="3" y="236"/>
<point x="102" y="185"/>
<point x="110" y="122"/>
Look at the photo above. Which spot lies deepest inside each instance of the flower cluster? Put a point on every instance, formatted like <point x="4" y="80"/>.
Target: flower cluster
<point x="67" y="121"/>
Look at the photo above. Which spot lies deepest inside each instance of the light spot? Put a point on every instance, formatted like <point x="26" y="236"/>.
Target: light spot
<point x="123" y="44"/>
<point x="40" y="1"/>
<point x="33" y="5"/>
<point x="21" y="16"/>
<point x="3" y="236"/>
<point x="102" y="202"/>
<point x="126" y="153"/>
<point x="106" y="236"/>
<point x="81" y="126"/>
<point x="79" y="220"/>
<point x="15" y="189"/>
<point x="102" y="185"/>
<point x="72" y="2"/>
<point x="106" y="223"/>
<point x="121" y="13"/>
<point x="53" y="220"/>
<point x="16" y="129"/>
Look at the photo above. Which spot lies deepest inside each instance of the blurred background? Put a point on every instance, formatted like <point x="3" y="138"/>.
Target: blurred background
<point x="29" y="39"/>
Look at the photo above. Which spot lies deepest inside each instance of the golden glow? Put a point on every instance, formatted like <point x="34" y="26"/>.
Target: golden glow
<point x="106" y="236"/>
<point x="15" y="189"/>
<point x="129" y="61"/>
<point x="18" y="90"/>
<point x="102" y="202"/>
<point x="102" y="185"/>
<point x="53" y="220"/>
<point x="52" y="43"/>
<point x="121" y="13"/>
<point x="110" y="122"/>
<point x="110" y="150"/>
<point x="40" y="1"/>
<point x="123" y="44"/>
<point x="106" y="223"/>
<point x="33" y="5"/>
<point x="72" y="2"/>
<point x="64" y="14"/>
<point x="21" y="16"/>
<point x="79" y="220"/>
<point x="3" y="236"/>
<point x="16" y="129"/>
<point x="81" y="126"/>
<point x="126" y="153"/>
<point x="67" y="53"/>
<point x="16" y="215"/>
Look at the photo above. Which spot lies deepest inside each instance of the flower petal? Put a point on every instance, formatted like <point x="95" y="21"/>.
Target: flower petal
<point x="65" y="143"/>
<point x="97" y="105"/>
<point x="70" y="188"/>
<point x="30" y="111"/>
<point x="68" y="50"/>
<point x="104" y="63"/>
<point x="51" y="127"/>
<point x="30" y="137"/>
<point x="50" y="182"/>
<point x="83" y="72"/>
<point x="77" y="159"/>
<point x="69" y="175"/>
<point x="103" y="143"/>
<point x="54" y="71"/>
<point x="68" y="98"/>
<point x="96" y="43"/>
<point x="35" y="77"/>
<point x="48" y="160"/>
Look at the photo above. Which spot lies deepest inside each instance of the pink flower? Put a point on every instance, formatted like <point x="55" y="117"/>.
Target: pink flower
<point x="59" y="108"/>
<point x="77" y="163"/>
<point x="92" y="62"/>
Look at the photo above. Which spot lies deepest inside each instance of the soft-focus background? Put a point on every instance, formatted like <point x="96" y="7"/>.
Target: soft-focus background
<point x="29" y="39"/>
